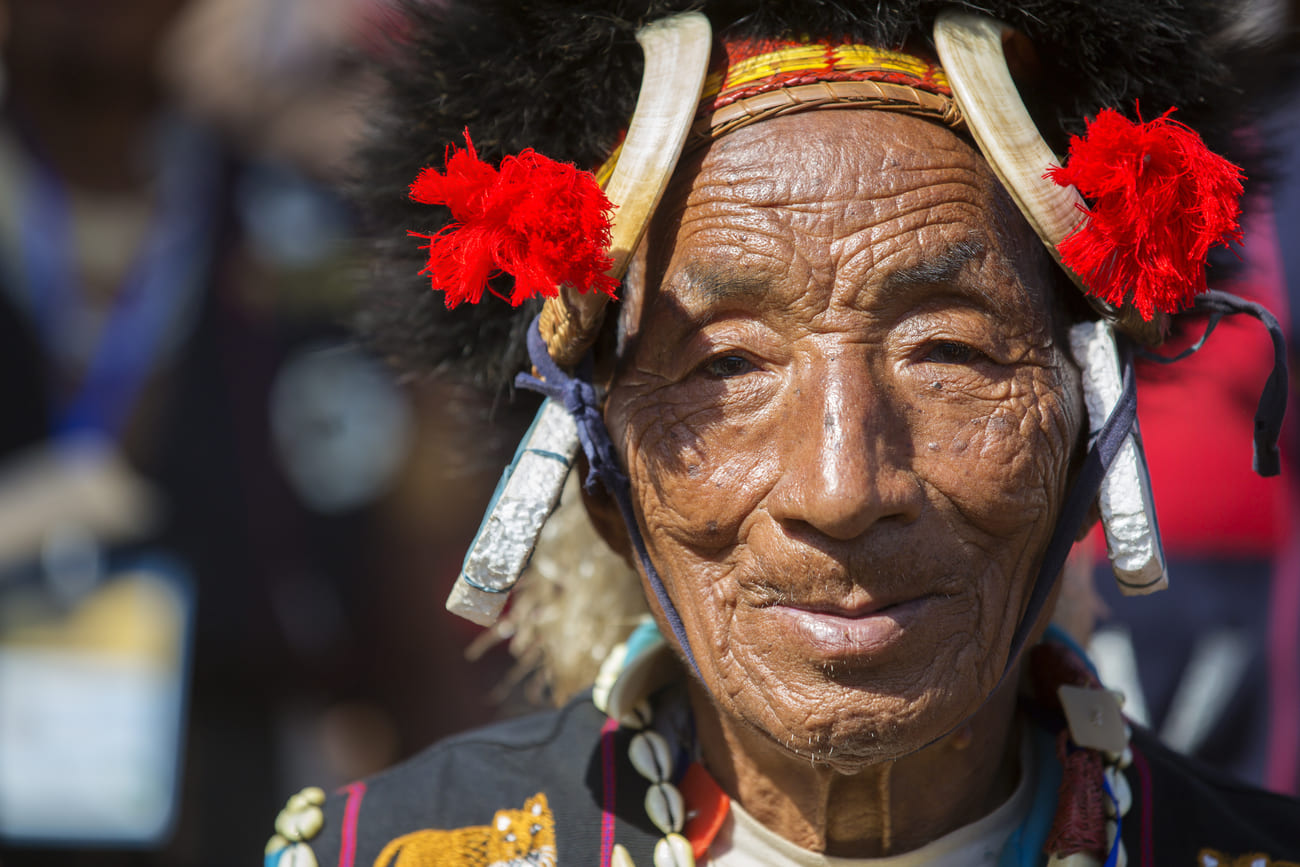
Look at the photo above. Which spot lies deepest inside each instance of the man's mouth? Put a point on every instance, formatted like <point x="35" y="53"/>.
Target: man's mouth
<point x="836" y="631"/>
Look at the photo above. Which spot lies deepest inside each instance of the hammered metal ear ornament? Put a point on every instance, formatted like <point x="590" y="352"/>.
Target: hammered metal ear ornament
<point x="1128" y="514"/>
<point x="970" y="47"/>
<point x="676" y="62"/>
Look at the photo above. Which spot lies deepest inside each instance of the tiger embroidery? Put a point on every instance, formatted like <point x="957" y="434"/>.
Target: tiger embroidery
<point x="516" y="838"/>
<point x="1211" y="858"/>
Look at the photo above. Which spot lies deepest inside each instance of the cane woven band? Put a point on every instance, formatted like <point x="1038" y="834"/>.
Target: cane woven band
<point x="876" y="95"/>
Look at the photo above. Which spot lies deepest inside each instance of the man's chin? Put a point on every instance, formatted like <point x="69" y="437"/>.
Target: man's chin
<point x="866" y="728"/>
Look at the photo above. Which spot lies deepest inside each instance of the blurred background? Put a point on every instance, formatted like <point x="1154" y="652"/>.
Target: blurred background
<point x="227" y="533"/>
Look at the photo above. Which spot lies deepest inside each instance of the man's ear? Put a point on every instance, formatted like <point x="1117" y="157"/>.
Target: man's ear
<point x="604" y="514"/>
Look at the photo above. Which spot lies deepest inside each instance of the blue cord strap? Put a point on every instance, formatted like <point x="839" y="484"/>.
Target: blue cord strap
<point x="577" y="395"/>
<point x="1112" y="856"/>
<point x="1101" y="452"/>
<point x="1272" y="400"/>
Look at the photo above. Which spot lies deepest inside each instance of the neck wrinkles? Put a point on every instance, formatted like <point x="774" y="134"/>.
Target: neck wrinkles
<point x="871" y="810"/>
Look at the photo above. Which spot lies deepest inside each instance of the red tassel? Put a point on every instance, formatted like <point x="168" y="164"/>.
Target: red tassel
<point x="1160" y="201"/>
<point x="546" y="223"/>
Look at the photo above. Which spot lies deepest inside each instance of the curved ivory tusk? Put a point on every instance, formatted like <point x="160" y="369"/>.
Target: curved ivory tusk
<point x="970" y="49"/>
<point x="676" y="62"/>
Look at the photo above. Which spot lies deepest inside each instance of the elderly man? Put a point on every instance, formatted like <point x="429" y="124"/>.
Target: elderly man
<point x="845" y="422"/>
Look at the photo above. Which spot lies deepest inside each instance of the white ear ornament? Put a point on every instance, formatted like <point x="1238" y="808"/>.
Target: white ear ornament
<point x="1128" y="514"/>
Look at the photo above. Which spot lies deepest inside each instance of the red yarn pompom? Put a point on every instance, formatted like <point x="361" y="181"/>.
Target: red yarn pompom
<point x="1160" y="200"/>
<point x="544" y="222"/>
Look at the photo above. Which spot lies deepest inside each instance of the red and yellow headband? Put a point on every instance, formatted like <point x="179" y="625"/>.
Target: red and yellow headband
<point x="757" y="80"/>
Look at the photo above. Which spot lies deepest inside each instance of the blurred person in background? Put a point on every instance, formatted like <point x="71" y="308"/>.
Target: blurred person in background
<point x="195" y="464"/>
<point x="281" y="76"/>
<point x="286" y="78"/>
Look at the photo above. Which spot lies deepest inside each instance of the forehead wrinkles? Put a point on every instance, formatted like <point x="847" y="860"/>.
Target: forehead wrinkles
<point x="863" y="187"/>
<point x="812" y="162"/>
<point x="875" y="158"/>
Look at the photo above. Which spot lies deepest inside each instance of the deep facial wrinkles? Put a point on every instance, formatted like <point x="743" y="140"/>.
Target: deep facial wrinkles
<point x="830" y="409"/>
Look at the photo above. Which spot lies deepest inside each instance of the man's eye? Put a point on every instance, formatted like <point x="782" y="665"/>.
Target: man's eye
<point x="951" y="352"/>
<point x="728" y="365"/>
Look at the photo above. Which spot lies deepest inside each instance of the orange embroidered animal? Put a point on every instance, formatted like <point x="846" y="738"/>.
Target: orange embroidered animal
<point x="1211" y="858"/>
<point x="516" y="838"/>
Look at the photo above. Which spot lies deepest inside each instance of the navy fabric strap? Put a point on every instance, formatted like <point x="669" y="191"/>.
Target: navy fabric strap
<point x="1101" y="452"/>
<point x="579" y="397"/>
<point x="1272" y="401"/>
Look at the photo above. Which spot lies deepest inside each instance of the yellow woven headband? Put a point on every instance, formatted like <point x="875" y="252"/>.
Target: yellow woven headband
<point x="764" y="80"/>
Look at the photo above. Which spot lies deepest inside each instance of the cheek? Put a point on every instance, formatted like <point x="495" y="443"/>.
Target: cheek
<point x="700" y="471"/>
<point x="1005" y="472"/>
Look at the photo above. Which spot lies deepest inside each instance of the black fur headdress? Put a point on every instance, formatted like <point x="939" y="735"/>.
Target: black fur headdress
<point x="562" y="77"/>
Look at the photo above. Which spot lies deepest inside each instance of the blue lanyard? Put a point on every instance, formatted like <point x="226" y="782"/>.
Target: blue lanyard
<point x="1024" y="848"/>
<point x="151" y="304"/>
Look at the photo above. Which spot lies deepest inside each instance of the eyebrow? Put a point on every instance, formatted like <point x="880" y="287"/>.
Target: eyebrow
<point x="941" y="272"/>
<point x="712" y="286"/>
<point x="943" y="268"/>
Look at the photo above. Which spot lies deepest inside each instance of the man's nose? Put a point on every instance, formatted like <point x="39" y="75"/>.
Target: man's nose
<point x="846" y="455"/>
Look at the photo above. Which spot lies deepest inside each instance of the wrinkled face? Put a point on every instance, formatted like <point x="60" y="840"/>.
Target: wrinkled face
<point x="848" y="424"/>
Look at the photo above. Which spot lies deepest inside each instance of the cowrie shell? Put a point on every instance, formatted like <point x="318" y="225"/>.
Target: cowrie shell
<point x="638" y="717"/>
<point x="1121" y="856"/>
<point x="297" y="825"/>
<point x="275" y="844"/>
<point x="674" y="851"/>
<point x="313" y="795"/>
<point x="605" y="678"/>
<point x="651" y="756"/>
<point x="1123" y="793"/>
<point x="297" y="855"/>
<point x="620" y="857"/>
<point x="665" y="807"/>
